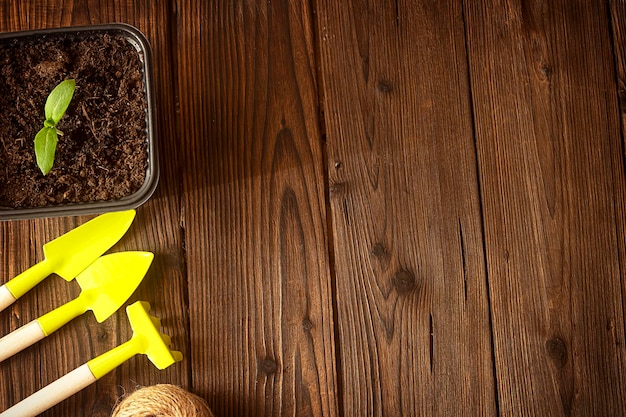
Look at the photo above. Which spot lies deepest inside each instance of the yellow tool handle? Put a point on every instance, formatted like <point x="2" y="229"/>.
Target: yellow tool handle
<point x="105" y="363"/>
<point x="55" y="319"/>
<point x="25" y="281"/>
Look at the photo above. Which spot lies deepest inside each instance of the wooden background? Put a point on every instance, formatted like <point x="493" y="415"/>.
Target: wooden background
<point x="366" y="208"/>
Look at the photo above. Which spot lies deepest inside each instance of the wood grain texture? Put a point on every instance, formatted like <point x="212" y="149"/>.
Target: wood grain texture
<point x="410" y="269"/>
<point x="618" y="26"/>
<point x="618" y="21"/>
<point x="156" y="228"/>
<point x="552" y="175"/>
<point x="366" y="208"/>
<point x="255" y="220"/>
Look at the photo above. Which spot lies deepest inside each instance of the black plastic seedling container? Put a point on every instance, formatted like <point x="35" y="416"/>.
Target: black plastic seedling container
<point x="139" y="43"/>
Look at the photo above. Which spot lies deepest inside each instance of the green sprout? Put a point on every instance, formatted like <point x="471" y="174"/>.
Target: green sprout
<point x="46" y="139"/>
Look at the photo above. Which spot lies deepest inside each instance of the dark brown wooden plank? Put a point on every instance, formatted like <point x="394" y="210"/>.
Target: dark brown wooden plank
<point x="255" y="221"/>
<point x="552" y="174"/>
<point x="156" y="228"/>
<point x="618" y="20"/>
<point x="411" y="282"/>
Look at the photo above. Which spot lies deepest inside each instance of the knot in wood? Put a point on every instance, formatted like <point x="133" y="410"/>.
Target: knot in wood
<point x="557" y="351"/>
<point x="546" y="71"/>
<point x="337" y="189"/>
<point x="102" y="335"/>
<point x="404" y="281"/>
<point x="384" y="86"/>
<point x="307" y="324"/>
<point x="268" y="366"/>
<point x="379" y="250"/>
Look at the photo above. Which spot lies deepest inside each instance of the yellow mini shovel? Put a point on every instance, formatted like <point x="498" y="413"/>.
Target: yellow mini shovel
<point x="146" y="340"/>
<point x="70" y="253"/>
<point x="106" y="285"/>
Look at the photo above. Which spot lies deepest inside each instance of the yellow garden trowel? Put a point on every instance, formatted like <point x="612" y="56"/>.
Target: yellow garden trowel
<point x="70" y="253"/>
<point x="146" y="340"/>
<point x="106" y="285"/>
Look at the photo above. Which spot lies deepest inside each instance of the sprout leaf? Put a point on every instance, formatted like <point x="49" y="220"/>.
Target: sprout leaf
<point x="58" y="101"/>
<point x="45" y="147"/>
<point x="46" y="139"/>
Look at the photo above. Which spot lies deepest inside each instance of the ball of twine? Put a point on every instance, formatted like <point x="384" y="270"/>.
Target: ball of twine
<point x="162" y="400"/>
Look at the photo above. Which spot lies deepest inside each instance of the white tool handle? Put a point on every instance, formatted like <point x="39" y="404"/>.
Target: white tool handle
<point x="50" y="395"/>
<point x="6" y="298"/>
<point x="20" y="339"/>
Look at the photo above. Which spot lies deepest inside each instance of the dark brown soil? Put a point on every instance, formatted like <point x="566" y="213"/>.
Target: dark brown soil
<point x="103" y="152"/>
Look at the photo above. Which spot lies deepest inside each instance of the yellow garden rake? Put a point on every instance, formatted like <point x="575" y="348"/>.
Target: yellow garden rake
<point x="146" y="340"/>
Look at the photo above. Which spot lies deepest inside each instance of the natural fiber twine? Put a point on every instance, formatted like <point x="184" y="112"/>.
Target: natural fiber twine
<point x="162" y="400"/>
